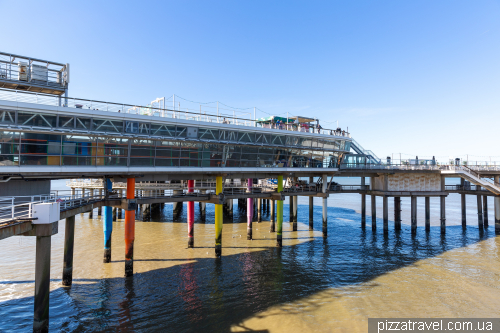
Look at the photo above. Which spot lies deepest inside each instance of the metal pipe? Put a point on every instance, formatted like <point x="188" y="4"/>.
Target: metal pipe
<point x="190" y="215"/>
<point x="279" y="215"/>
<point x="129" y="230"/>
<point x="69" y="242"/>
<point x="218" y="219"/>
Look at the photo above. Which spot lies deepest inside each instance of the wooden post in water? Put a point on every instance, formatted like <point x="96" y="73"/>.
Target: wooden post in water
<point x="464" y="211"/>
<point x="190" y="215"/>
<point x="385" y="204"/>
<point x="259" y="210"/>
<point x="279" y="215"/>
<point x="99" y="210"/>
<point x="69" y="242"/>
<point x="129" y="230"/>
<point x="374" y="212"/>
<point x="363" y="205"/>
<point x="203" y="207"/>
<point x="427" y="214"/>
<point x="443" y="214"/>
<point x="496" y="201"/>
<point x="479" y="210"/>
<point x="271" y="217"/>
<point x="397" y="213"/>
<point x="325" y="207"/>
<point x="218" y="218"/>
<point x="295" y="203"/>
<point x="413" y="214"/>
<point x="249" y="209"/>
<point x="107" y="225"/>
<point x="485" y="210"/>
<point x="311" y="208"/>
<point x="42" y="284"/>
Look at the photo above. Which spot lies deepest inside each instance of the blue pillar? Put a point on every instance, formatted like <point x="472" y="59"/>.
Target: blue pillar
<point x="107" y="224"/>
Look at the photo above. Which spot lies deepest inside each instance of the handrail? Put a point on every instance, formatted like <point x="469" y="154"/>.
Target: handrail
<point x="80" y="103"/>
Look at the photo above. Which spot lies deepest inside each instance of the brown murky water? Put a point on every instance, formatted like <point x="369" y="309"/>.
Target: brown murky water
<point x="311" y="285"/>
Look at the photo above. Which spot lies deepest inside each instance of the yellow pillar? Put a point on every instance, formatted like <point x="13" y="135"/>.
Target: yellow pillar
<point x="218" y="219"/>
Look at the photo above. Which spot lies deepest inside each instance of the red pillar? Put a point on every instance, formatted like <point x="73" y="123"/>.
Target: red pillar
<point x="129" y="230"/>
<point x="190" y="215"/>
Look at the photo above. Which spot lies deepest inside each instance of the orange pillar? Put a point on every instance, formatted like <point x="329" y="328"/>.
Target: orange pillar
<point x="129" y="230"/>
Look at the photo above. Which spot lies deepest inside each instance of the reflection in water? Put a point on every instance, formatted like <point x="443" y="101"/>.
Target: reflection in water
<point x="311" y="284"/>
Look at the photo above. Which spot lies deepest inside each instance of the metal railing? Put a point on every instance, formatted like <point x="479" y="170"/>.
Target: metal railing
<point x="184" y="113"/>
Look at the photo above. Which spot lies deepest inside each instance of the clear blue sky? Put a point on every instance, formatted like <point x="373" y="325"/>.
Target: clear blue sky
<point x="416" y="77"/>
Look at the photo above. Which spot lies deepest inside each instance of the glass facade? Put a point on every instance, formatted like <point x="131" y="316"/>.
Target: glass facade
<point x="164" y="145"/>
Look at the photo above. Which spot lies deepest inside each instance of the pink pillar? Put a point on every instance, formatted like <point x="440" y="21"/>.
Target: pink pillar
<point x="190" y="215"/>
<point x="249" y="209"/>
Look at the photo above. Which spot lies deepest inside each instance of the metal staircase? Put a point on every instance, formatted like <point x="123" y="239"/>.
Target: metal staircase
<point x="473" y="177"/>
<point x="371" y="157"/>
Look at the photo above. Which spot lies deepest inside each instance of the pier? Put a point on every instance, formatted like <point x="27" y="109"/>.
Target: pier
<point x="125" y="158"/>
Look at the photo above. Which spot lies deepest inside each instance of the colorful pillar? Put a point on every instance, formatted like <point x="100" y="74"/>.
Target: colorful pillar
<point x="279" y="215"/>
<point x="190" y="215"/>
<point x="218" y="218"/>
<point x="69" y="242"/>
<point x="107" y="224"/>
<point x="249" y="209"/>
<point x="129" y="230"/>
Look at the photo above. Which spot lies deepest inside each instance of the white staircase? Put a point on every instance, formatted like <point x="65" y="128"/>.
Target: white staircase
<point x="473" y="177"/>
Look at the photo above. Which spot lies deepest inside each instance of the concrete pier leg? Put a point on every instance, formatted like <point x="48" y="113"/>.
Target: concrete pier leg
<point x="464" y="211"/>
<point x="294" y="212"/>
<point x="177" y="206"/>
<point x="114" y="214"/>
<point x="249" y="209"/>
<point x="129" y="230"/>
<point x="374" y="212"/>
<point x="479" y="212"/>
<point x="218" y="219"/>
<point x="427" y="214"/>
<point x="397" y="213"/>
<point x="496" y="201"/>
<point x="69" y="243"/>
<point x="119" y="214"/>
<point x="271" y="217"/>
<point x="311" y="213"/>
<point x="190" y="215"/>
<point x="259" y="210"/>
<point x="485" y="211"/>
<point x="42" y="284"/>
<point x="385" y="204"/>
<point x="325" y="208"/>
<point x="413" y="214"/>
<point x="108" y="230"/>
<point x="290" y="206"/>
<point x="443" y="213"/>
<point x="230" y="208"/>
<point x="279" y="215"/>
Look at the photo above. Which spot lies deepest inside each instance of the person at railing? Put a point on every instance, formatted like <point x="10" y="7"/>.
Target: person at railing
<point x="319" y="128"/>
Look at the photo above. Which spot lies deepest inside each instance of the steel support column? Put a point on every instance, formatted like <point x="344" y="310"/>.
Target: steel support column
<point x="69" y="243"/>
<point x="129" y="230"/>
<point x="218" y="218"/>
<point x="279" y="215"/>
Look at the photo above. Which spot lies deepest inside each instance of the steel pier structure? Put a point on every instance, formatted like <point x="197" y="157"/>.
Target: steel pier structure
<point x="133" y="156"/>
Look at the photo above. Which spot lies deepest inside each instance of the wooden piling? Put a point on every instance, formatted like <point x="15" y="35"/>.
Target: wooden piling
<point x="413" y="214"/>
<point x="279" y="215"/>
<point x="218" y="218"/>
<point x="42" y="284"/>
<point x="427" y="214"/>
<point x="479" y="212"/>
<point x="385" y="207"/>
<point x="485" y="211"/>
<point x="190" y="215"/>
<point x="374" y="212"/>
<point x="397" y="213"/>
<point x="69" y="242"/>
<point x="443" y="213"/>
